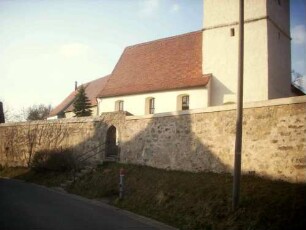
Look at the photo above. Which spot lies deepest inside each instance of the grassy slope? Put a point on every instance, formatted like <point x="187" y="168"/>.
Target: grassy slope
<point x="48" y="178"/>
<point x="199" y="200"/>
<point x="188" y="200"/>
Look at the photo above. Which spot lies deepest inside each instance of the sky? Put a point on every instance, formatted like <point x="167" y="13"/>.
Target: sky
<point x="298" y="34"/>
<point x="47" y="45"/>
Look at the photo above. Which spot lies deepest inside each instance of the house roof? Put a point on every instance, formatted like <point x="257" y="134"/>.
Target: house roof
<point x="164" y="64"/>
<point x="92" y="90"/>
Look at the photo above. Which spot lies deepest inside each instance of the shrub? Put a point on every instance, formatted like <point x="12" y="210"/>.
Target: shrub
<point x="53" y="160"/>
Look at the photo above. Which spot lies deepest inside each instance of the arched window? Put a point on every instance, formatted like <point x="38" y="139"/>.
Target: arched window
<point x="119" y="105"/>
<point x="183" y="102"/>
<point x="150" y="105"/>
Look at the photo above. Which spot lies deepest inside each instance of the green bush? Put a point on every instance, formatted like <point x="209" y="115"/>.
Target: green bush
<point x="53" y="160"/>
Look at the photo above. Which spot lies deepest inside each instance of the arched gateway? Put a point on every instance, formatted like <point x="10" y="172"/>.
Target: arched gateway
<point x="111" y="145"/>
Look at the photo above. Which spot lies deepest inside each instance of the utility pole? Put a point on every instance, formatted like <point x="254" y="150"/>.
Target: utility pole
<point x="2" y="117"/>
<point x="238" y="141"/>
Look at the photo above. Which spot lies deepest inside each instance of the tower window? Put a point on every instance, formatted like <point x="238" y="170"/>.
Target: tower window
<point x="232" y="32"/>
<point x="279" y="2"/>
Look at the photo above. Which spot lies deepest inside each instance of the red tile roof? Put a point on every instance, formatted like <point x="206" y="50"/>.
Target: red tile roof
<point x="92" y="90"/>
<point x="63" y="105"/>
<point x="165" y="64"/>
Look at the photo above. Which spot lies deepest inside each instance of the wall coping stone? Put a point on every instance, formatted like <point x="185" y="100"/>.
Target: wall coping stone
<point x="63" y="120"/>
<point x="247" y="105"/>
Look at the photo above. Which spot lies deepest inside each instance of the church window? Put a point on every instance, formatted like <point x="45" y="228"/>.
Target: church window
<point x="150" y="105"/>
<point x="232" y="32"/>
<point x="119" y="105"/>
<point x="185" y="102"/>
<point x="182" y="102"/>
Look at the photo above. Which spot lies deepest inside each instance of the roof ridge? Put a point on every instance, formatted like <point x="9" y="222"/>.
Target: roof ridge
<point x="86" y="84"/>
<point x="99" y="78"/>
<point x="136" y="72"/>
<point x="163" y="39"/>
<point x="68" y="101"/>
<point x="108" y="78"/>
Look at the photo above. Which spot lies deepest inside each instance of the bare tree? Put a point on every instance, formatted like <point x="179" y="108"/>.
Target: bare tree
<point x="298" y="80"/>
<point x="38" y="112"/>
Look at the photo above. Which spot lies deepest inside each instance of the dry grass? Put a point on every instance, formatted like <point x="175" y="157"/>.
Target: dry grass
<point x="47" y="178"/>
<point x="187" y="200"/>
<point x="199" y="200"/>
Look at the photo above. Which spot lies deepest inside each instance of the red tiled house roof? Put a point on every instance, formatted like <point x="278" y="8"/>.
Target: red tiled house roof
<point x="165" y="64"/>
<point x="63" y="105"/>
<point x="92" y="90"/>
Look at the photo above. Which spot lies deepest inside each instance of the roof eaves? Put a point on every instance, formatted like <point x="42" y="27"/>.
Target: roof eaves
<point x="208" y="76"/>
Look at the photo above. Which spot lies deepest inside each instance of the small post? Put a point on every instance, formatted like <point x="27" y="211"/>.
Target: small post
<point x="121" y="184"/>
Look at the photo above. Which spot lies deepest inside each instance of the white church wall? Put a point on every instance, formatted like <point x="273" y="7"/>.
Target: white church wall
<point x="220" y="57"/>
<point x="279" y="83"/>
<point x="266" y="63"/>
<point x="279" y="49"/>
<point x="52" y="118"/>
<point x="224" y="12"/>
<point x="255" y="61"/>
<point x="278" y="11"/>
<point x="164" y="101"/>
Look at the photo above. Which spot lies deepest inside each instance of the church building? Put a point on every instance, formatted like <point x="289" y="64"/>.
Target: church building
<point x="200" y="69"/>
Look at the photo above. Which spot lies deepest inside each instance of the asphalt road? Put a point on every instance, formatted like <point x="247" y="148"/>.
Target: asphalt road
<point x="28" y="206"/>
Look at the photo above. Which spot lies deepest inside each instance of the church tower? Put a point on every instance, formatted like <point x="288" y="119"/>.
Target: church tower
<point x="267" y="53"/>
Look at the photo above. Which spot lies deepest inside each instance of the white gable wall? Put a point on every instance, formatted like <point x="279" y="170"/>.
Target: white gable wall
<point x="164" y="101"/>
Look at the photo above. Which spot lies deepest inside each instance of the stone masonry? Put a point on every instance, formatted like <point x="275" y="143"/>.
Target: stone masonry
<point x="20" y="141"/>
<point x="274" y="139"/>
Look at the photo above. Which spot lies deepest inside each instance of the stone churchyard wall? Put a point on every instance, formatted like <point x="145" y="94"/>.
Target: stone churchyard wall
<point x="274" y="139"/>
<point x="20" y="141"/>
